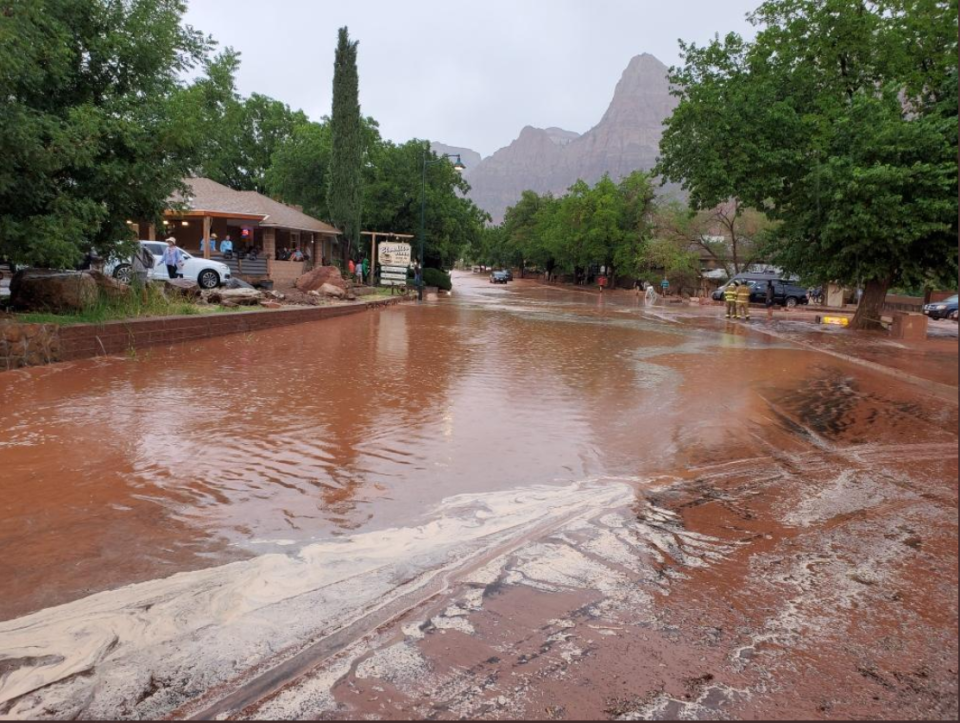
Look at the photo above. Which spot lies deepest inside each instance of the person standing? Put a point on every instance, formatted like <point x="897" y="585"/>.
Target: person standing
<point x="650" y="299"/>
<point x="366" y="268"/>
<point x="769" y="300"/>
<point x="173" y="259"/>
<point x="743" y="301"/>
<point x="730" y="297"/>
<point x="142" y="264"/>
<point x="227" y="245"/>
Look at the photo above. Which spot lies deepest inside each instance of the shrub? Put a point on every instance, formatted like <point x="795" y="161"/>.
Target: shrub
<point x="438" y="278"/>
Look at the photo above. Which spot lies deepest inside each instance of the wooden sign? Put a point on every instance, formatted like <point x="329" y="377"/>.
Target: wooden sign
<point x="394" y="254"/>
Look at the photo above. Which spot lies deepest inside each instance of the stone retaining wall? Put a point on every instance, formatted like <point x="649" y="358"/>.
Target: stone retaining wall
<point x="24" y="345"/>
<point x="33" y="344"/>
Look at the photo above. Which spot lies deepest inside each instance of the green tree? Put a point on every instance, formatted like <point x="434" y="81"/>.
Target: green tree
<point x="840" y="122"/>
<point x="345" y="177"/>
<point x="392" y="201"/>
<point x="298" y="172"/>
<point x="299" y="167"/>
<point x="88" y="136"/>
<point x="519" y="232"/>
<point x="236" y="138"/>
<point x="639" y="205"/>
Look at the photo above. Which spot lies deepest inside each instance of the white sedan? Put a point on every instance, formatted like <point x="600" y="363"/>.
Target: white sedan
<point x="207" y="273"/>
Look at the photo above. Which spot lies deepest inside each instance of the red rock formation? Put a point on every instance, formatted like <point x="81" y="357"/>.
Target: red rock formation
<point x="551" y="160"/>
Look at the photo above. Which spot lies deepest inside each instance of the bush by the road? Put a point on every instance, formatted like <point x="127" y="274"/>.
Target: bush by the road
<point x="438" y="278"/>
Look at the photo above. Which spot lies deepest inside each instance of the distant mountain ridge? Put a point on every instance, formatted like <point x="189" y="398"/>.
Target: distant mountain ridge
<point x="626" y="139"/>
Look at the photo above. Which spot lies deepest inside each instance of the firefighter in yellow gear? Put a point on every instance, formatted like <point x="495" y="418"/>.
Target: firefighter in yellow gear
<point x="743" y="301"/>
<point x="730" y="296"/>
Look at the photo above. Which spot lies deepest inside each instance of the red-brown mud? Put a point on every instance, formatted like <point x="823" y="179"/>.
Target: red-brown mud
<point x="785" y="545"/>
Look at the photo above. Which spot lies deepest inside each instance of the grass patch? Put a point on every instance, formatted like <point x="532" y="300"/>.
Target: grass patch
<point x="152" y="303"/>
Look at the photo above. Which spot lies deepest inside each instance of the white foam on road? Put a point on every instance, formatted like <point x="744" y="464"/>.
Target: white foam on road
<point x="148" y="648"/>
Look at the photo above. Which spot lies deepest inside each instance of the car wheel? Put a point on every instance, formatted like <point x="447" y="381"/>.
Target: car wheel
<point x="123" y="273"/>
<point x="954" y="315"/>
<point x="208" y="279"/>
<point x="791" y="302"/>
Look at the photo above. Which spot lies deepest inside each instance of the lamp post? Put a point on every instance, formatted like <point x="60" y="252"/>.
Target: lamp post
<point x="459" y="168"/>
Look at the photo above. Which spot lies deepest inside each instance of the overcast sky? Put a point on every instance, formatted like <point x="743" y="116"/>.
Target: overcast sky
<point x="468" y="74"/>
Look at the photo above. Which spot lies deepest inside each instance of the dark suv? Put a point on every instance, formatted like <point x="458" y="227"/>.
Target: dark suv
<point x="784" y="293"/>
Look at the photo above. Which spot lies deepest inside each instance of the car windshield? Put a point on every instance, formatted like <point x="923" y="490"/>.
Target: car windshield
<point x="951" y="300"/>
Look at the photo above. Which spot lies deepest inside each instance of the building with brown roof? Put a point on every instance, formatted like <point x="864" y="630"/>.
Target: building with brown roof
<point x="250" y="220"/>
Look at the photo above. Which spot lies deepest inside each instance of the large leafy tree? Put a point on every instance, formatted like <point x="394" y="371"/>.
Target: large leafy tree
<point x="300" y="165"/>
<point x="607" y="224"/>
<point x="345" y="176"/>
<point x="392" y="201"/>
<point x="235" y="137"/>
<point x="840" y="121"/>
<point x="87" y="134"/>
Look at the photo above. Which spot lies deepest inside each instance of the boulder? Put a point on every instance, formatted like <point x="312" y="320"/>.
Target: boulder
<point x="243" y="297"/>
<point x="229" y="304"/>
<point x="333" y="291"/>
<point x="50" y="290"/>
<point x="271" y="304"/>
<point x="183" y="288"/>
<point x="109" y="286"/>
<point x="313" y="280"/>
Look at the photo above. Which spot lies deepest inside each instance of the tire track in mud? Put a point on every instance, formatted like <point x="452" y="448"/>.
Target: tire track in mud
<point x="268" y="679"/>
<point x="809" y="481"/>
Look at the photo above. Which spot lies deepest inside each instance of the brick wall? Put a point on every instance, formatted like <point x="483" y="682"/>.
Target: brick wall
<point x="87" y="340"/>
<point x="34" y="344"/>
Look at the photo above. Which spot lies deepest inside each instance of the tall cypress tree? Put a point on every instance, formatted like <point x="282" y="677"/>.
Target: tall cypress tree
<point x="345" y="190"/>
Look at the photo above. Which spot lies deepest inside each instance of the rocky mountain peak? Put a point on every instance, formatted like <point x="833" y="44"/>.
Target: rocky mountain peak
<point x="643" y="92"/>
<point x="551" y="159"/>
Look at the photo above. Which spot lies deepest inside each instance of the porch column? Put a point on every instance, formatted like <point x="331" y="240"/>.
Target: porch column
<point x="151" y="233"/>
<point x="205" y="239"/>
<point x="315" y="262"/>
<point x="270" y="248"/>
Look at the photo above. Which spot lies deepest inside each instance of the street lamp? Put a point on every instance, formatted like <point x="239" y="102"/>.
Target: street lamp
<point x="459" y="168"/>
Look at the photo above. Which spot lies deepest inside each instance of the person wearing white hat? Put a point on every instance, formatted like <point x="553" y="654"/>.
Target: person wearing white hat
<point x="173" y="259"/>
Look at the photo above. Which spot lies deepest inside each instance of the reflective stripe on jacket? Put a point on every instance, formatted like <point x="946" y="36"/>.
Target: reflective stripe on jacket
<point x="743" y="294"/>
<point x="730" y="293"/>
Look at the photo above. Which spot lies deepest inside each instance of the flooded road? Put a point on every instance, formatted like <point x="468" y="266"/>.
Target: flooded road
<point x="518" y="501"/>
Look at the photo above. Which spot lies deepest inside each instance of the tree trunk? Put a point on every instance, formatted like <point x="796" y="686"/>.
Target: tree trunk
<point x="871" y="305"/>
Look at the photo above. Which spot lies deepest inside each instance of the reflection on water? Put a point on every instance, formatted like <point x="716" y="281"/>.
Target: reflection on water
<point x="120" y="470"/>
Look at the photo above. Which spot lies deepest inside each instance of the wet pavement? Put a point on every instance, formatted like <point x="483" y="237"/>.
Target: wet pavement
<point x="515" y="502"/>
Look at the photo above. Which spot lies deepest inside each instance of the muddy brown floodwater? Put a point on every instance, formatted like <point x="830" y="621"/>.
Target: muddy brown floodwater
<point x="515" y="502"/>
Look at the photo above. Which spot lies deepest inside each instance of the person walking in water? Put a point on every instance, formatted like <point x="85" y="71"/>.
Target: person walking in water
<point x="768" y="301"/>
<point x="173" y="259"/>
<point x="651" y="296"/>
<point x="743" y="301"/>
<point x="730" y="297"/>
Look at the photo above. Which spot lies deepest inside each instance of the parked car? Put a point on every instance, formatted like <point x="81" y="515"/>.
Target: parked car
<point x="509" y="274"/>
<point x="499" y="277"/>
<point x="946" y="309"/>
<point x="207" y="273"/>
<point x="785" y="293"/>
<point x="745" y="277"/>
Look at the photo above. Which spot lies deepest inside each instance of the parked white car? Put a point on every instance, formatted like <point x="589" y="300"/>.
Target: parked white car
<point x="207" y="273"/>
